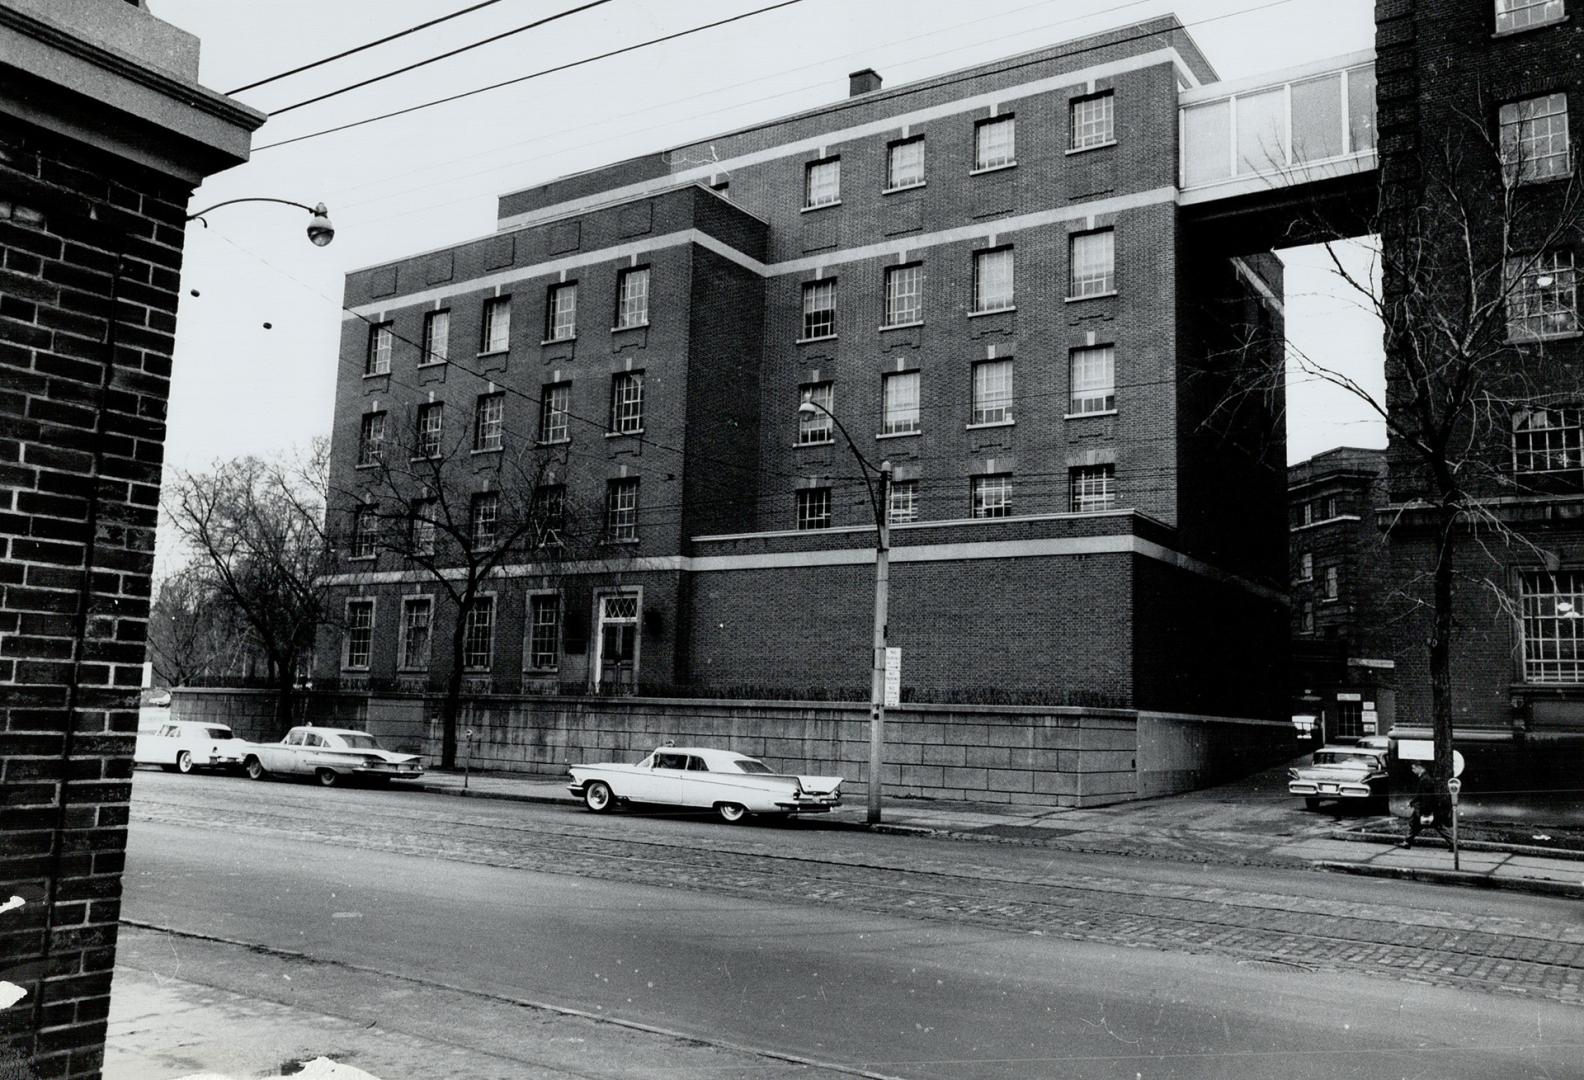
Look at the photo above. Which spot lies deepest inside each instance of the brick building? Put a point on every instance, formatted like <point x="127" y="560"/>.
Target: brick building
<point x="105" y="134"/>
<point x="1342" y="646"/>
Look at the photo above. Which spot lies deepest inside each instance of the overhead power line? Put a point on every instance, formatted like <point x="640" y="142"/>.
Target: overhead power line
<point x="361" y="48"/>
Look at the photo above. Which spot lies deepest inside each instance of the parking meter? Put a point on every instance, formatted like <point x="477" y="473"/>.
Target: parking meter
<point x="1454" y="786"/>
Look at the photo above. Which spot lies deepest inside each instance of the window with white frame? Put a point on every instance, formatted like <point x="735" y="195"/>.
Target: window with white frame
<point x="436" y="337"/>
<point x="902" y="501"/>
<point x="1306" y="617"/>
<point x="992" y="280"/>
<point x="1534" y="138"/>
<point x="1542" y="295"/>
<point x="561" y="312"/>
<point x="819" y="309"/>
<point x="900" y="396"/>
<point x="544" y="632"/>
<point x="1091" y="264"/>
<point x="992" y="392"/>
<point x="496" y="336"/>
<point x="1551" y="606"/>
<point x="1512" y="15"/>
<point x="1305" y="567"/>
<point x="489" y="421"/>
<point x="1092" y="380"/>
<point x="992" y="495"/>
<point x="1333" y="583"/>
<point x="814" y="508"/>
<point x="417" y="613"/>
<point x="365" y="532"/>
<point x="1093" y="488"/>
<point x="904" y="294"/>
<point x="555" y="402"/>
<point x="905" y="163"/>
<point x="632" y="298"/>
<point x="484" y="519"/>
<point x="424" y="525"/>
<point x="478" y="634"/>
<point x="995" y="143"/>
<point x="359" y="639"/>
<point x="822" y="182"/>
<point x="1549" y="442"/>
<point x="815" y="425"/>
<point x="627" y="402"/>
<point x="1093" y="122"/>
<point x="621" y="510"/>
<point x="550" y="507"/>
<point x="381" y="339"/>
<point x="431" y="416"/>
<point x="371" y="439"/>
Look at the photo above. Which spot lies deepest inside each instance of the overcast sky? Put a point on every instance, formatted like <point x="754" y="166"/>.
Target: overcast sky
<point x="429" y="179"/>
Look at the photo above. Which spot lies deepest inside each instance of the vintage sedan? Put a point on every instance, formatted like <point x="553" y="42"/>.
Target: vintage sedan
<point x="185" y="745"/>
<point x="732" y="785"/>
<point x="1341" y="772"/>
<point x="330" y="755"/>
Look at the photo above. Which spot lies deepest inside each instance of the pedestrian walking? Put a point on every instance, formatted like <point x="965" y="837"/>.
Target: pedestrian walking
<point x="1430" y="806"/>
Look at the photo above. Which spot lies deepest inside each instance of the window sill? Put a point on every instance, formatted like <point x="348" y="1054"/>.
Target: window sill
<point x="990" y="424"/>
<point x="993" y="168"/>
<point x="367" y="465"/>
<point x="630" y="541"/>
<point x="903" y="187"/>
<point x="992" y="311"/>
<point x="553" y="442"/>
<point x="409" y="670"/>
<point x="1533" y="181"/>
<point x="1087" y="415"/>
<point x="901" y="325"/>
<point x="487" y="450"/>
<point x="1538" y="339"/>
<point x="1330" y="599"/>
<point x="558" y="340"/>
<point x="537" y="671"/>
<point x="900" y="434"/>
<point x="820" y="206"/>
<point x="1092" y="146"/>
<point x="1089" y="296"/>
<point x="377" y="374"/>
<point x="631" y="326"/>
<point x="811" y="340"/>
<point x="1515" y="31"/>
<point x="1303" y="581"/>
<point x="621" y="434"/>
<point x="355" y="670"/>
<point x="820" y="442"/>
<point x="360" y="558"/>
<point x="432" y="363"/>
<point x="487" y="354"/>
<point x="422" y="457"/>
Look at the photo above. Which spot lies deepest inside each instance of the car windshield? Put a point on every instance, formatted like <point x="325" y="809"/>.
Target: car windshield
<point x="219" y="733"/>
<point x="1343" y="757"/>
<point x="356" y="740"/>
<point x="750" y="765"/>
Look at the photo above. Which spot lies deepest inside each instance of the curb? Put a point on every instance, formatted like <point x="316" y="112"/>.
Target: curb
<point x="1453" y="877"/>
<point x="1366" y="837"/>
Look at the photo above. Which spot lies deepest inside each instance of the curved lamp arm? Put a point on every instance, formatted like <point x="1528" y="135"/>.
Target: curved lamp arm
<point x="320" y="231"/>
<point x="864" y="462"/>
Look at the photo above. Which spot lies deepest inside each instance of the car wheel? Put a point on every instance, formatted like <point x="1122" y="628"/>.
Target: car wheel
<point x="327" y="777"/>
<point x="1311" y="803"/>
<point x="184" y="762"/>
<point x="597" y="796"/>
<point x="731" y="812"/>
<point x="254" y="768"/>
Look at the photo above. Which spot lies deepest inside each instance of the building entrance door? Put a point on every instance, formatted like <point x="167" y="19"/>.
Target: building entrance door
<point x="618" y="642"/>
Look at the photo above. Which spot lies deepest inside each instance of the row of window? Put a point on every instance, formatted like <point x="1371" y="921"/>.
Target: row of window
<point x="1091" y="123"/>
<point x="542" y="644"/>
<point x="1513" y="15"/>
<point x="1090" y="488"/>
<point x="1313" y="511"/>
<point x="1330" y="579"/>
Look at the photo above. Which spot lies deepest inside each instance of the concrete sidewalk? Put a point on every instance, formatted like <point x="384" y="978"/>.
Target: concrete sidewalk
<point x="1252" y="820"/>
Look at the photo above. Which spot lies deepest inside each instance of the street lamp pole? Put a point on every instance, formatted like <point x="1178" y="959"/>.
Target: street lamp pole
<point x="320" y="231"/>
<point x="879" y="500"/>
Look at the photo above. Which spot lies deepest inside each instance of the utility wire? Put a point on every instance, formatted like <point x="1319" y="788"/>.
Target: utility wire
<point x="361" y="48"/>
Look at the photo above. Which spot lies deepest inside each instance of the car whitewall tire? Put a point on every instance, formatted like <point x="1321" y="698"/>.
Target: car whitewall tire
<point x="597" y="796"/>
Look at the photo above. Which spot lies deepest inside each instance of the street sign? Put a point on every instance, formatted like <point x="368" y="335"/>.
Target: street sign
<point x="893" y="676"/>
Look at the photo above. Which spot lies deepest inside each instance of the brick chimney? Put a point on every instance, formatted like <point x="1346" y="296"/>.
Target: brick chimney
<point x="866" y="81"/>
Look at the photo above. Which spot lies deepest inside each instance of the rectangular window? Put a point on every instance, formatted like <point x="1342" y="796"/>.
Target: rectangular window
<point x="627" y="403"/>
<point x="544" y="632"/>
<point x="489" y="419"/>
<point x="904" y="294"/>
<point x="632" y="298"/>
<point x="555" y="402"/>
<point x="995" y="143"/>
<point x="484" y="519"/>
<point x="992" y="280"/>
<point x="359" y="634"/>
<point x="416" y="614"/>
<point x="822" y="182"/>
<point x="621" y="510"/>
<point x="430" y="418"/>
<point x="1522" y="14"/>
<point x="378" y="361"/>
<point x="902" y="501"/>
<point x="561" y="312"/>
<point x="1333" y="583"/>
<point x="814" y="508"/>
<point x="1092" y="379"/>
<point x="1091" y="264"/>
<point x="497" y="325"/>
<point x="992" y="495"/>
<point x="1552" y="609"/>
<point x="437" y="337"/>
<point x="1542" y="296"/>
<point x="1092" y="121"/>
<point x="905" y="163"/>
<point x="1534" y="138"/>
<point x="423" y="526"/>
<point x="371" y="439"/>
<point x="1093" y="488"/>
<point x="1305" y="567"/>
<point x="478" y="635"/>
<point x="1549" y="442"/>
<point x="550" y="507"/>
<point x="901" y="396"/>
<point x="992" y="392"/>
<point x="365" y="532"/>
<point x="818" y="427"/>
<point x="819" y="309"/>
<point x="1306" y="617"/>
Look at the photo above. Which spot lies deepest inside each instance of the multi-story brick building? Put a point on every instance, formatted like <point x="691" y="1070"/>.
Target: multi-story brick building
<point x="1341" y="636"/>
<point x="984" y="276"/>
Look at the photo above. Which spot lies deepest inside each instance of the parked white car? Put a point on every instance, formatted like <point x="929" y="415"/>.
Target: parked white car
<point x="731" y="784"/>
<point x="185" y="745"/>
<point x="330" y="755"/>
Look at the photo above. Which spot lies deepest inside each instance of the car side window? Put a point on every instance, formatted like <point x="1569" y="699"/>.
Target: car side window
<point x="294" y="737"/>
<point x="312" y="740"/>
<point x="170" y="731"/>
<point x="670" y="761"/>
<point x="696" y="764"/>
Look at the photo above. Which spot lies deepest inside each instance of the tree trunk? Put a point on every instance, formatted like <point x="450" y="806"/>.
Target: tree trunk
<point x="452" y="705"/>
<point x="282" y="671"/>
<point x="1441" y="645"/>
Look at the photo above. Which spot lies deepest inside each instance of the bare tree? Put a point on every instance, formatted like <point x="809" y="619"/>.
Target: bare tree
<point x="194" y="633"/>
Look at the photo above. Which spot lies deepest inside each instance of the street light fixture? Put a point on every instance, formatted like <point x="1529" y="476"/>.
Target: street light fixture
<point x="320" y="231"/>
<point x="879" y="497"/>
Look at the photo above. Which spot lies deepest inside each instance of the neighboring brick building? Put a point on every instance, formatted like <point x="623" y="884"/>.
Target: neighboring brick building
<point x="105" y="134"/>
<point x="983" y="275"/>
<point x="1342" y="645"/>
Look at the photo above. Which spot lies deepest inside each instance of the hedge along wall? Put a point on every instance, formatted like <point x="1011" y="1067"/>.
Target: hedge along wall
<point x="1058" y="756"/>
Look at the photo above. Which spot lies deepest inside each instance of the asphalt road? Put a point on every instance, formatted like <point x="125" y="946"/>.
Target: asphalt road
<point x="424" y="916"/>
